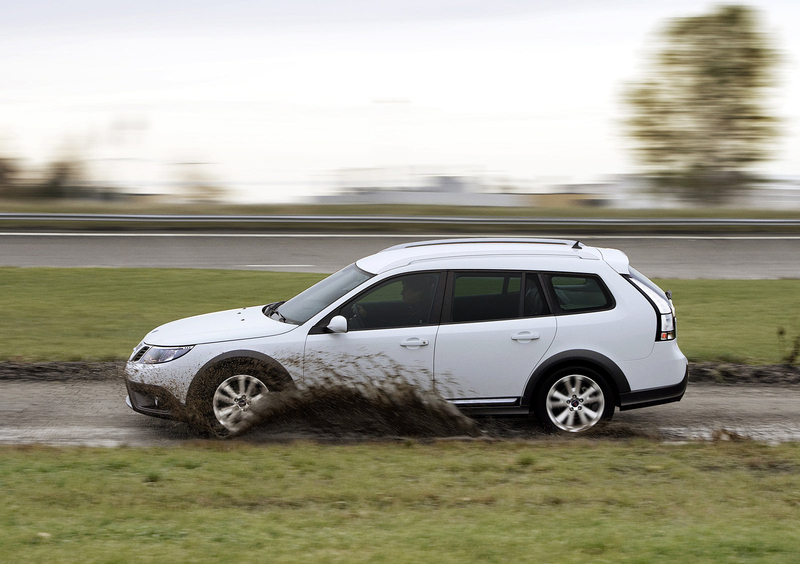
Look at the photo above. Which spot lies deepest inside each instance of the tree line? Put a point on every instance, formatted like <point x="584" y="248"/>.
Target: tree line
<point x="63" y="178"/>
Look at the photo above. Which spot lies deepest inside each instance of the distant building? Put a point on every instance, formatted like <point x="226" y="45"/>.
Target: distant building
<point x="409" y="187"/>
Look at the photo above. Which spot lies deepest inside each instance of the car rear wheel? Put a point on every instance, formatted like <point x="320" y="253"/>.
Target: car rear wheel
<point x="574" y="400"/>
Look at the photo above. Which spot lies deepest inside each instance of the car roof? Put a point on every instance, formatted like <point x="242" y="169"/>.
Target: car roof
<point x="406" y="253"/>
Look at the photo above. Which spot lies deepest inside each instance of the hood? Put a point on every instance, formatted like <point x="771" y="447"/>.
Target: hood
<point x="230" y="325"/>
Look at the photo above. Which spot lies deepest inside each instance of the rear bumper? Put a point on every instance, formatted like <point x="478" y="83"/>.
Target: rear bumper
<point x="654" y="396"/>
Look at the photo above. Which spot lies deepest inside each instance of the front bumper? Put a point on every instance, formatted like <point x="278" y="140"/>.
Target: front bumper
<point x="154" y="401"/>
<point x="654" y="396"/>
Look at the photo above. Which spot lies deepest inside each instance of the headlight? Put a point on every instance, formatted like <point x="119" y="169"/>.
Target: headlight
<point x="157" y="355"/>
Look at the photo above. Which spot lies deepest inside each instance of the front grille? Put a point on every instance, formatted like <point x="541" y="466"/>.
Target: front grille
<point x="137" y="356"/>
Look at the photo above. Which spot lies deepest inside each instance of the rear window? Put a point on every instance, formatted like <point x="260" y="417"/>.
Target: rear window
<point x="578" y="293"/>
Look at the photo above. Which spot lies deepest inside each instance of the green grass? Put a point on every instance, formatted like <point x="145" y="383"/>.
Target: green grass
<point x="736" y="320"/>
<point x="567" y="501"/>
<point x="93" y="314"/>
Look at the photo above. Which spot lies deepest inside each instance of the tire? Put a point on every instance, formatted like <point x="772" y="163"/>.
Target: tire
<point x="573" y="400"/>
<point x="226" y="391"/>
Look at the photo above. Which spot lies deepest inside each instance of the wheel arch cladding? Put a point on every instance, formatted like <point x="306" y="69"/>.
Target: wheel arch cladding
<point x="243" y="360"/>
<point x="580" y="358"/>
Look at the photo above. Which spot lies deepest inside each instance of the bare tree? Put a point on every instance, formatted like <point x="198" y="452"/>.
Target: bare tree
<point x="65" y="178"/>
<point x="700" y="118"/>
<point x="9" y="177"/>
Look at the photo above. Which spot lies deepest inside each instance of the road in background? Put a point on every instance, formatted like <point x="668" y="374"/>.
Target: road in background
<point x="678" y="256"/>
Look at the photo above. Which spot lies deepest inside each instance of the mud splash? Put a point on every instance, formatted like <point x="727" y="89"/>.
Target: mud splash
<point x="365" y="410"/>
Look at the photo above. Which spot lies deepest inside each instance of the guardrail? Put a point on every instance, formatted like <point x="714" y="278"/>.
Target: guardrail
<point x="362" y="220"/>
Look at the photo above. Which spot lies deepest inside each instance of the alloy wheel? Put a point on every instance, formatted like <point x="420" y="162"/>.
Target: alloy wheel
<point x="234" y="397"/>
<point x="575" y="403"/>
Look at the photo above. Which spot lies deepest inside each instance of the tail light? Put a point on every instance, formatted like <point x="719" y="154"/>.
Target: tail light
<point x="665" y="310"/>
<point x="666" y="332"/>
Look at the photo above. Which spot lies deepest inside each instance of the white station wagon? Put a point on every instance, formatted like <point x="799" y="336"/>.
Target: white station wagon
<point x="503" y="326"/>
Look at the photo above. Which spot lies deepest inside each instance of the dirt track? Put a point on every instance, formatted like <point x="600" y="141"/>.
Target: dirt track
<point x="86" y="407"/>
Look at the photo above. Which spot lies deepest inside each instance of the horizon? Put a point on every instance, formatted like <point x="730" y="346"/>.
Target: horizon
<point x="291" y="95"/>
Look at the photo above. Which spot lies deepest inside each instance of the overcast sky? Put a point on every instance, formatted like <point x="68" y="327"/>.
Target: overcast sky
<point x="278" y="96"/>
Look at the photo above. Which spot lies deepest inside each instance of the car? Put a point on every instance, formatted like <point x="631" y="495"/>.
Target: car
<point x="550" y="328"/>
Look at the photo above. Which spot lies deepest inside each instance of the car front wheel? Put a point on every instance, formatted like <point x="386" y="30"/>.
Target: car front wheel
<point x="233" y="399"/>
<point x="574" y="400"/>
<point x="225" y="395"/>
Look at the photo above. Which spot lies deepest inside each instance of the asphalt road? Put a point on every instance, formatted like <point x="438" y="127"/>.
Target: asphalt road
<point x="95" y="414"/>
<point x="748" y="257"/>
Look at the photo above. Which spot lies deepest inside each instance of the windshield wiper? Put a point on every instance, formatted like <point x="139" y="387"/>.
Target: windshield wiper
<point x="273" y="309"/>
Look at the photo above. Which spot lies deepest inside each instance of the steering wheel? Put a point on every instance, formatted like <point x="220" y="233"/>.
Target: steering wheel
<point x="357" y="316"/>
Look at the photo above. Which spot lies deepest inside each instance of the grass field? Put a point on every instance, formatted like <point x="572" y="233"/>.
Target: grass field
<point x="87" y="314"/>
<point x="553" y="501"/>
<point x="736" y="320"/>
<point x="100" y="314"/>
<point x="550" y="501"/>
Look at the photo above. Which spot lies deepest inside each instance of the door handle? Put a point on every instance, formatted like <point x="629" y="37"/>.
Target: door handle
<point x="413" y="343"/>
<point x="525" y="336"/>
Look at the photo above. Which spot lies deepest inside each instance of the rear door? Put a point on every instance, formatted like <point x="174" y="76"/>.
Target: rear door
<point x="496" y="327"/>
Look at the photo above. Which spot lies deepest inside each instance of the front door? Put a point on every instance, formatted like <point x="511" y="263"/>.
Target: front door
<point x="391" y="336"/>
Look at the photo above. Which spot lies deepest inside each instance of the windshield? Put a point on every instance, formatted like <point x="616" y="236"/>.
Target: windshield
<point x="307" y="304"/>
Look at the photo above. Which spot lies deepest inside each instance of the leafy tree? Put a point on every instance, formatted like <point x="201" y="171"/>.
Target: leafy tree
<point x="700" y="118"/>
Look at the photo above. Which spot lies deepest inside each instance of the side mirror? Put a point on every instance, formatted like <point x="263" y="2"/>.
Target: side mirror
<point x="338" y="324"/>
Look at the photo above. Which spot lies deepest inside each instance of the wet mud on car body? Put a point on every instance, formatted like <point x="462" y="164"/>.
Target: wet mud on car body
<point x="546" y="327"/>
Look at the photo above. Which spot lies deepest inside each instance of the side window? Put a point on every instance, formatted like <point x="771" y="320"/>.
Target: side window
<point x="400" y="302"/>
<point x="535" y="303"/>
<point x="486" y="296"/>
<point x="578" y="293"/>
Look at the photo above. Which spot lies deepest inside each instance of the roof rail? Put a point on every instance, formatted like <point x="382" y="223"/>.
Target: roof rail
<point x="575" y="244"/>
